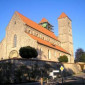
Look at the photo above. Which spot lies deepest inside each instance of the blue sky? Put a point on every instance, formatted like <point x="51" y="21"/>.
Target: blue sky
<point x="51" y="10"/>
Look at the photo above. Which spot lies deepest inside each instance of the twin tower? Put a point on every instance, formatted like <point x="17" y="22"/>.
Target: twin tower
<point x="65" y="34"/>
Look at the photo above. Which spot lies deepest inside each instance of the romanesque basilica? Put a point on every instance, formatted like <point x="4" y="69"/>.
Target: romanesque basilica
<point x="21" y="31"/>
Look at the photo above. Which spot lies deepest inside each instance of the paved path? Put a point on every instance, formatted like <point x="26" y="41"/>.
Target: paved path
<point x="78" y="79"/>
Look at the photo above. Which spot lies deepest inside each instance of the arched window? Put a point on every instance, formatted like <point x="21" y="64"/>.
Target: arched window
<point x="15" y="41"/>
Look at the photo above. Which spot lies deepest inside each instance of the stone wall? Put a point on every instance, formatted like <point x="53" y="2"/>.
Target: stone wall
<point x="72" y="67"/>
<point x="82" y="65"/>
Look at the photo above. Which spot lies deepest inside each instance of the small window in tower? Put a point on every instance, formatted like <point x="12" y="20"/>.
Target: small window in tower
<point x="68" y="23"/>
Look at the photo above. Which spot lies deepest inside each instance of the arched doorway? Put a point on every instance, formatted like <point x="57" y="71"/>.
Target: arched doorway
<point x="13" y="54"/>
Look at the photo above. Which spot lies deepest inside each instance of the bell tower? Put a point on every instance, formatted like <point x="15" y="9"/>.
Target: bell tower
<point x="65" y="34"/>
<point x="44" y="23"/>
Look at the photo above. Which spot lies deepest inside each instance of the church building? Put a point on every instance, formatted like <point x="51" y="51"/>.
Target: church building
<point x="21" y="31"/>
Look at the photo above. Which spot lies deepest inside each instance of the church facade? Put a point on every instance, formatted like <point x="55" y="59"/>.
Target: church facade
<point x="21" y="31"/>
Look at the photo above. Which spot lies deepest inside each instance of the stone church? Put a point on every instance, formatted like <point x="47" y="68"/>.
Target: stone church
<point x="21" y="31"/>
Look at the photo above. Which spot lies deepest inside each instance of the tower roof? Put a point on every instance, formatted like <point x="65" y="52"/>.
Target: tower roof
<point x="44" y="20"/>
<point x="63" y="15"/>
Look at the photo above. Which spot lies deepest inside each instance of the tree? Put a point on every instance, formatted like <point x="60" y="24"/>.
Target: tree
<point x="63" y="58"/>
<point x="78" y="54"/>
<point x="82" y="58"/>
<point x="28" y="52"/>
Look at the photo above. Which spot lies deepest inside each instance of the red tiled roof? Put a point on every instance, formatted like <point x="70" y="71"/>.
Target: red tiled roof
<point x="63" y="15"/>
<point x="44" y="20"/>
<point x="37" y="26"/>
<point x="41" y="41"/>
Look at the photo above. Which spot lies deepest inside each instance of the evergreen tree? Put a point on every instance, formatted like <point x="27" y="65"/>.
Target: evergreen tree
<point x="78" y="54"/>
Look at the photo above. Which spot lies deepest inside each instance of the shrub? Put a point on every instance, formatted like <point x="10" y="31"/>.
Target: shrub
<point x="63" y="58"/>
<point x="28" y="52"/>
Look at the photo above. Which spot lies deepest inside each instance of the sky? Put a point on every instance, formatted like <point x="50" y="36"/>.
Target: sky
<point x="49" y="9"/>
